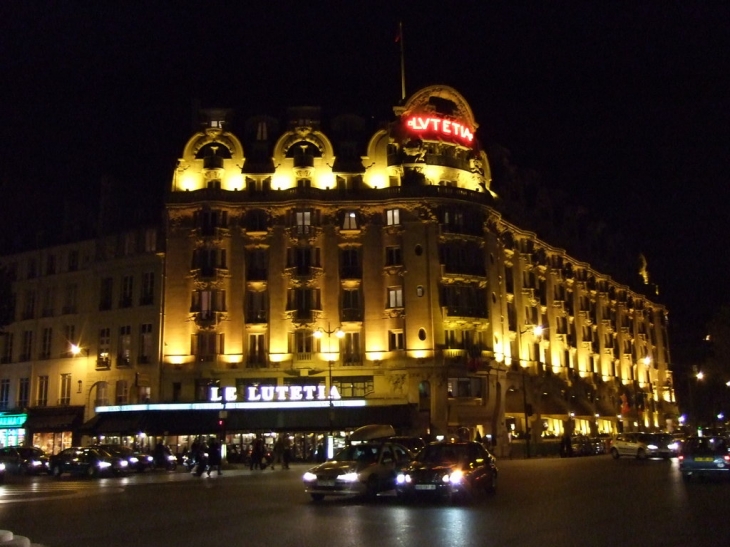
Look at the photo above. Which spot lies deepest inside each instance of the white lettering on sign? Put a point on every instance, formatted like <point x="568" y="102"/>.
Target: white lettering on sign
<point x="276" y="393"/>
<point x="440" y="125"/>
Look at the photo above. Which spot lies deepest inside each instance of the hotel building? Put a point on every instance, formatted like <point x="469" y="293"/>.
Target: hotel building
<point x="305" y="279"/>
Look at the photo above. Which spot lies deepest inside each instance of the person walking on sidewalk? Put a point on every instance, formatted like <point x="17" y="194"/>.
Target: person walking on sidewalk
<point x="278" y="453"/>
<point x="214" y="457"/>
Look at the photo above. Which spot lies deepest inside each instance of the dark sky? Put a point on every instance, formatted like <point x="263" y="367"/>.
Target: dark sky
<point x="623" y="104"/>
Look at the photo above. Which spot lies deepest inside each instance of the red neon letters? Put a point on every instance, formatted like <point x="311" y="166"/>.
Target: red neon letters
<point x="425" y="124"/>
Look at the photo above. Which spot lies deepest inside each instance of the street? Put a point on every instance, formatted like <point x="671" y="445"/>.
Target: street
<point x="580" y="501"/>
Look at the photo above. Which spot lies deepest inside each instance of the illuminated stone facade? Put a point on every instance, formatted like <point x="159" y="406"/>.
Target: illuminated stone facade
<point x="280" y="234"/>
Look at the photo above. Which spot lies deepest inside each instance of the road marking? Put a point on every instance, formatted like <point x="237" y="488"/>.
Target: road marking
<point x="40" y="491"/>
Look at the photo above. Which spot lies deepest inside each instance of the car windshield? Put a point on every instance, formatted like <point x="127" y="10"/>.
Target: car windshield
<point x="706" y="445"/>
<point x="444" y="454"/>
<point x="365" y="453"/>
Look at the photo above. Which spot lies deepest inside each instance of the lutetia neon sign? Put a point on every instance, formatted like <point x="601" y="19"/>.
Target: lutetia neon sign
<point x="441" y="126"/>
<point x="275" y="394"/>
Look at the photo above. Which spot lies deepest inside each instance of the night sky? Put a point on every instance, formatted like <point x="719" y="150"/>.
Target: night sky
<point x="625" y="105"/>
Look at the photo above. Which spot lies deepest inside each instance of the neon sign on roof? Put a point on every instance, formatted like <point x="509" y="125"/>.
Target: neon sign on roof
<point x="440" y="126"/>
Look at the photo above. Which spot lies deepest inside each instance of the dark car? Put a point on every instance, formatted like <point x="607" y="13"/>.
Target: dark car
<point x="137" y="461"/>
<point x="24" y="460"/>
<point x="705" y="456"/>
<point x="360" y="469"/>
<point x="460" y="470"/>
<point x="90" y="461"/>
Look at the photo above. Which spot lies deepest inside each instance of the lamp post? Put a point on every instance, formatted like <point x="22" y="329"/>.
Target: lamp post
<point x="650" y="407"/>
<point x="537" y="331"/>
<point x="339" y="333"/>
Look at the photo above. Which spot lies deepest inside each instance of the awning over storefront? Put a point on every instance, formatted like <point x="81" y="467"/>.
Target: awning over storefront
<point x="54" y="419"/>
<point x="200" y="422"/>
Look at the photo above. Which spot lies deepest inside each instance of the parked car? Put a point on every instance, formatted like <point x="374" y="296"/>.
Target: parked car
<point x="137" y="461"/>
<point x="459" y="470"/>
<point x="643" y="445"/>
<point x="90" y="461"/>
<point x="705" y="456"/>
<point x="581" y="445"/>
<point x="24" y="460"/>
<point x="360" y="469"/>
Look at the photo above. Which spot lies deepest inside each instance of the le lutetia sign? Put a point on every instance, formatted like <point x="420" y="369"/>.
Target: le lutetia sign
<point x="440" y="127"/>
<point x="272" y="393"/>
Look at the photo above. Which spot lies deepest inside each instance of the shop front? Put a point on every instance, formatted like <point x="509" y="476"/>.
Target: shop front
<point x="54" y="428"/>
<point x="307" y="423"/>
<point x="12" y="430"/>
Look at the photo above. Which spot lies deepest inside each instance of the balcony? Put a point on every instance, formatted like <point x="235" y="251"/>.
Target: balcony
<point x="351" y="314"/>
<point x="352" y="360"/>
<point x="256" y="361"/>
<point x="256" y="316"/>
<point x="124" y="361"/>
<point x="469" y="312"/>
<point x="103" y="363"/>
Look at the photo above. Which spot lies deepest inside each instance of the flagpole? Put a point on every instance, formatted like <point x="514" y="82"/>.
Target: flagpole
<point x="402" y="62"/>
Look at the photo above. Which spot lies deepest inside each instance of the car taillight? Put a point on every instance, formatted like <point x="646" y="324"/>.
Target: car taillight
<point x="680" y="457"/>
<point x="726" y="458"/>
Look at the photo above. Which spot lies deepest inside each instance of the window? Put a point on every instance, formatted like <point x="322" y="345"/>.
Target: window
<point x="393" y="256"/>
<point x="145" y="343"/>
<point x="395" y="340"/>
<point x="27" y="345"/>
<point x="395" y="297"/>
<point x="207" y="302"/>
<point x="303" y="343"/>
<point x="4" y="393"/>
<point x="150" y="240"/>
<point x="73" y="261"/>
<point x="255" y="310"/>
<point x="50" y="264"/>
<point x="351" y="352"/>
<point x="303" y="220"/>
<point x="121" y="396"/>
<point x="42" y="399"/>
<point x="148" y="289"/>
<point x="206" y="345"/>
<point x="351" y="304"/>
<point x="129" y="244"/>
<point x="7" y="356"/>
<point x="464" y="387"/>
<point x="349" y="222"/>
<point x="65" y="398"/>
<point x="124" y="355"/>
<point x="69" y="334"/>
<point x="23" y="393"/>
<point x="32" y="268"/>
<point x="29" y="305"/>
<point x="70" y="296"/>
<point x="47" y="336"/>
<point x="350" y="264"/>
<point x="392" y="217"/>
<point x="105" y="294"/>
<point x="176" y="391"/>
<point x="125" y="300"/>
<point x="256" y="356"/>
<point x="354" y="386"/>
<point x="48" y="304"/>
<point x="256" y="265"/>
<point x="105" y="338"/>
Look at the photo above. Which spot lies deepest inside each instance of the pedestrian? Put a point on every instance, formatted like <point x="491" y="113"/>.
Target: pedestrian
<point x="287" y="452"/>
<point x="278" y="452"/>
<point x="214" y="457"/>
<point x="257" y="453"/>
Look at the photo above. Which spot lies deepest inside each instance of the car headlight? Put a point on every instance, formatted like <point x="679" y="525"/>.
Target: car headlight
<point x="123" y="463"/>
<point x="309" y="477"/>
<point x="402" y="478"/>
<point x="652" y="447"/>
<point x="348" y="477"/>
<point x="103" y="465"/>
<point x="673" y="446"/>
<point x="2" y="466"/>
<point x="133" y="459"/>
<point x="171" y="458"/>
<point x="455" y="477"/>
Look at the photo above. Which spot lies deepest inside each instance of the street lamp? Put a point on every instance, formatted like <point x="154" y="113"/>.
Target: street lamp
<point x="537" y="331"/>
<point x="339" y="333"/>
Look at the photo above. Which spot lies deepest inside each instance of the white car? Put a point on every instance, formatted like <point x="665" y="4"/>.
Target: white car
<point x="643" y="445"/>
